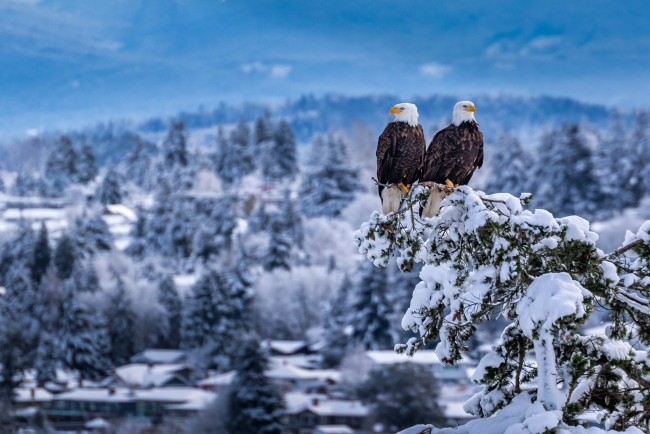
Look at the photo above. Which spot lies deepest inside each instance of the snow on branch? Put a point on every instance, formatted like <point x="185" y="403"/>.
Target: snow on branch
<point x="487" y="255"/>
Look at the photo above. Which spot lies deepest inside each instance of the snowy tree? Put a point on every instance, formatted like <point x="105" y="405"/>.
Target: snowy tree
<point x="42" y="255"/>
<point x="262" y="133"/>
<point x="110" y="190"/>
<point x="61" y="165"/>
<point x="92" y="235"/>
<point x="120" y="325"/>
<point x="290" y="220"/>
<point x="335" y="336"/>
<point x="84" y="343"/>
<point x="174" y="146"/>
<point x="400" y="396"/>
<point x="170" y="301"/>
<point x="371" y="310"/>
<point x="138" y="163"/>
<point x="510" y="166"/>
<point x="280" y="155"/>
<point x="564" y="174"/>
<point x="65" y="256"/>
<point x="26" y="185"/>
<point x="87" y="165"/>
<point x="2" y="185"/>
<point x="640" y="145"/>
<point x="17" y="252"/>
<point x="234" y="157"/>
<point x="215" y="313"/>
<point x="486" y="254"/>
<point x="329" y="187"/>
<point x="215" y="221"/>
<point x="18" y="330"/>
<point x="279" y="252"/>
<point x="255" y="404"/>
<point x="47" y="356"/>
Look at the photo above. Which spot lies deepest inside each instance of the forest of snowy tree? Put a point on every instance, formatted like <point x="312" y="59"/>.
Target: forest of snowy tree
<point x="244" y="226"/>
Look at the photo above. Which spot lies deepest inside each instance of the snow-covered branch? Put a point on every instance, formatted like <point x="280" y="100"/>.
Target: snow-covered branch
<point x="487" y="254"/>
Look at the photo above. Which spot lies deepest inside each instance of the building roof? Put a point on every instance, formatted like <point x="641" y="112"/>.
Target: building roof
<point x="166" y="395"/>
<point x="289" y="372"/>
<point x="297" y="403"/>
<point x="24" y="394"/>
<point x="285" y="347"/>
<point x="157" y="356"/>
<point x="224" y="379"/>
<point x="333" y="429"/>
<point x="146" y="375"/>
<point x="389" y="357"/>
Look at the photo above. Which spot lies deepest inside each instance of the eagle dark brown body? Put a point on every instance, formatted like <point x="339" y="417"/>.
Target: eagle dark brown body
<point x="454" y="154"/>
<point x="400" y="153"/>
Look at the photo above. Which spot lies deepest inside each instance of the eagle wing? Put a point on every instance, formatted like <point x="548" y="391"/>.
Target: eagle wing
<point x="386" y="148"/>
<point x="454" y="154"/>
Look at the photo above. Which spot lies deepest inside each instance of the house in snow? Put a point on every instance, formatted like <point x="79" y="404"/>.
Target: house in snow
<point x="146" y="375"/>
<point x="73" y="410"/>
<point x="286" y="348"/>
<point x="307" y="412"/>
<point x="155" y="356"/>
<point x="445" y="374"/>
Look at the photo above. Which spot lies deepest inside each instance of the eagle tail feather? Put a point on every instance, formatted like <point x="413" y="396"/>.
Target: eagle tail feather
<point x="432" y="206"/>
<point x="391" y="199"/>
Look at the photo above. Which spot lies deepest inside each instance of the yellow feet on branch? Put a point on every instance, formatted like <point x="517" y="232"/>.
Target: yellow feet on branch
<point x="404" y="187"/>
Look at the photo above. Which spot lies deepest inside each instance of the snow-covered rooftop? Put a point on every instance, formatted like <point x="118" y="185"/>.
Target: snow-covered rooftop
<point x="154" y="355"/>
<point x="333" y="429"/>
<point x="321" y="405"/>
<point x="289" y="372"/>
<point x="284" y="347"/>
<point x="224" y="379"/>
<point x="37" y="394"/>
<point x="389" y="357"/>
<point x="145" y="375"/>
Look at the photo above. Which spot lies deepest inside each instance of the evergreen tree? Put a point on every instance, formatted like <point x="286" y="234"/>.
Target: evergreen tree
<point x="215" y="222"/>
<point x="279" y="252"/>
<point x="87" y="165"/>
<point x="255" y="404"/>
<point x="84" y="342"/>
<point x="42" y="255"/>
<point x="489" y="254"/>
<point x="216" y="312"/>
<point x="260" y="220"/>
<point x="280" y="156"/>
<point x="24" y="185"/>
<point x="401" y="395"/>
<point x="2" y="185"/>
<point x="17" y="252"/>
<point x="565" y="175"/>
<point x="511" y="165"/>
<point x="175" y="146"/>
<point x="65" y="256"/>
<point x="328" y="188"/>
<point x="371" y="311"/>
<point x="85" y="277"/>
<point x="138" y="164"/>
<point x="234" y="157"/>
<point x="640" y="144"/>
<point x="335" y="338"/>
<point x="263" y="132"/>
<point x="171" y="302"/>
<point x="18" y="330"/>
<point x="616" y="168"/>
<point x="46" y="359"/>
<point x="110" y="190"/>
<point x="290" y="220"/>
<point x="92" y="235"/>
<point x="120" y="325"/>
<point x="61" y="165"/>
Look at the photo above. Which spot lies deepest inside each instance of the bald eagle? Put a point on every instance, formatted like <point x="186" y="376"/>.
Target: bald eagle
<point x="400" y="153"/>
<point x="453" y="155"/>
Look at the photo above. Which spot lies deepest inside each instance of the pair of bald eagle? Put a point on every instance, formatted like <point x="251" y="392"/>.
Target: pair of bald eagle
<point x="402" y="157"/>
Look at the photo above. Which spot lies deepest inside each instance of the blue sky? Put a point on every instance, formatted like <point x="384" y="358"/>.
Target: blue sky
<point x="65" y="63"/>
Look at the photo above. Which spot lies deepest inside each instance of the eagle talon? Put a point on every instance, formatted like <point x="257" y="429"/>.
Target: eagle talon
<point x="404" y="187"/>
<point x="450" y="184"/>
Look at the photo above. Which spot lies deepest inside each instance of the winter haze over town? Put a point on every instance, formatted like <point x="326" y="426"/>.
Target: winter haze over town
<point x="339" y="217"/>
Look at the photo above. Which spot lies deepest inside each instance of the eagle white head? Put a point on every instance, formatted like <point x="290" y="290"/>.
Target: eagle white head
<point x="406" y="112"/>
<point x="464" y="112"/>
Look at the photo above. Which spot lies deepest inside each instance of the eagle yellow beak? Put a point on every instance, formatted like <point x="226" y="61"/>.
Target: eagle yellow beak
<point x="471" y="109"/>
<point x="395" y="110"/>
